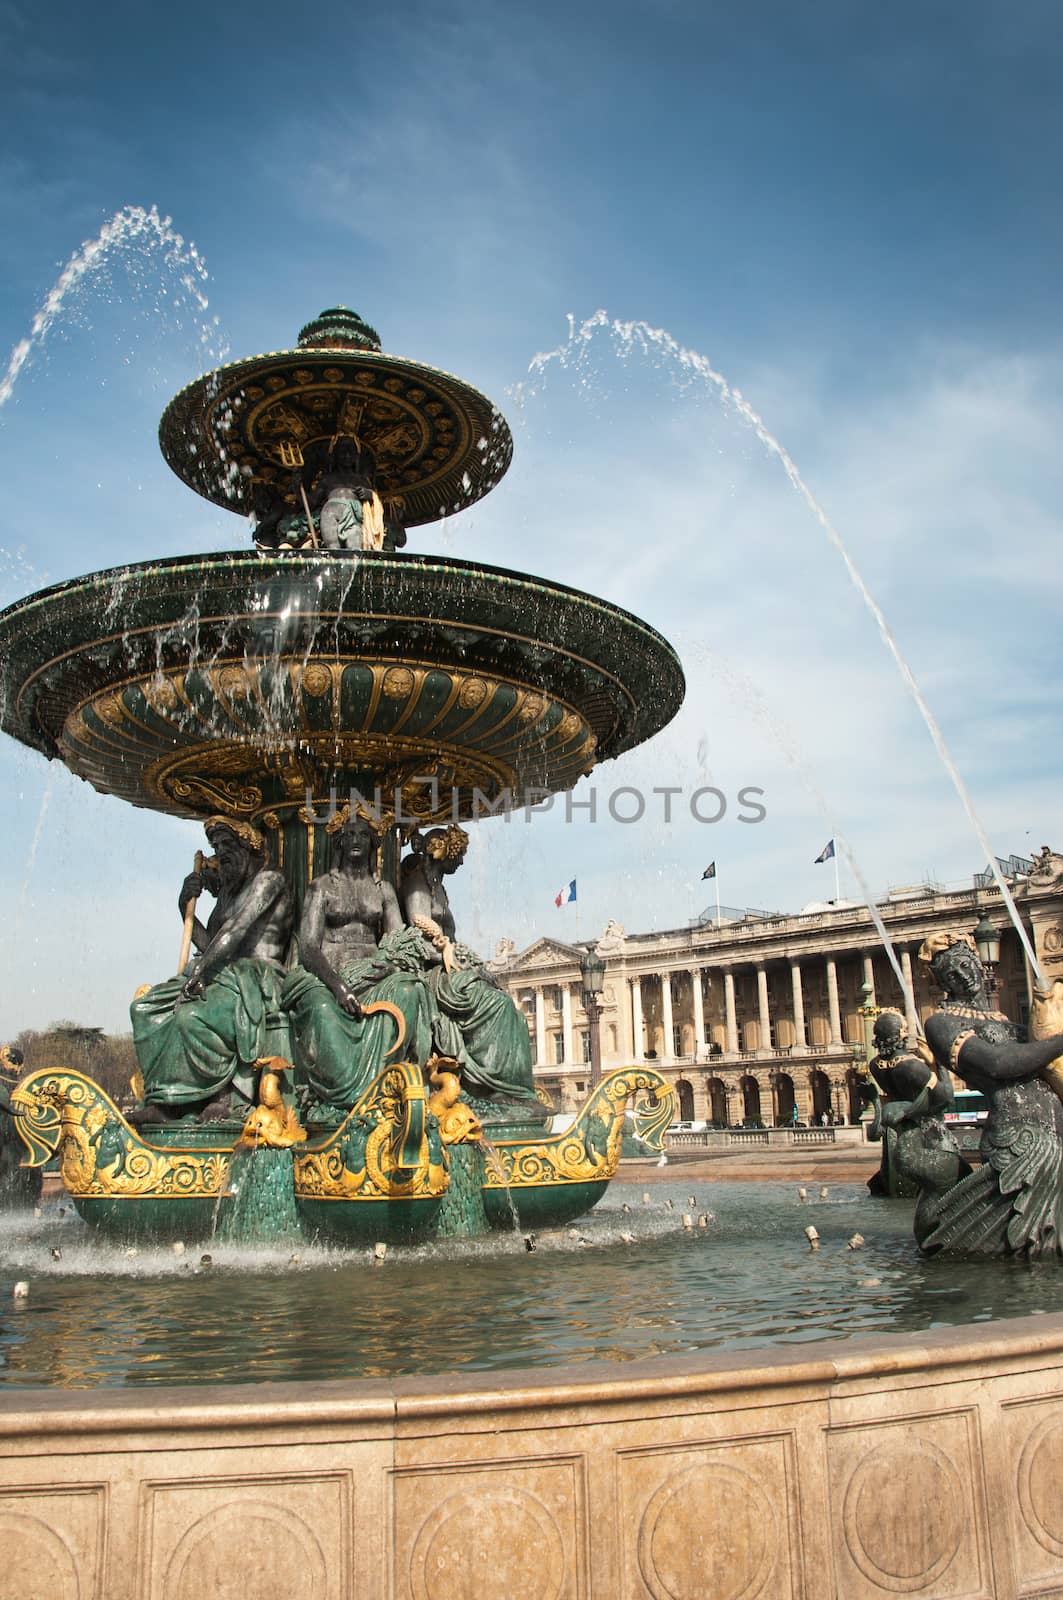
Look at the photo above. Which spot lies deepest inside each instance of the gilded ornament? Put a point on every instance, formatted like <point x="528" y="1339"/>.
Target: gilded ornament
<point x="381" y="1151"/>
<point x="234" y="681"/>
<point x="100" y="1155"/>
<point x="531" y="709"/>
<point x="398" y="683"/>
<point x="473" y="693"/>
<point x="589" y="1151"/>
<point x="316" y="679"/>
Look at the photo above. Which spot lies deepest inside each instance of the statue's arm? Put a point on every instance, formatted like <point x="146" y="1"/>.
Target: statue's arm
<point x="416" y="896"/>
<point x="193" y="886"/>
<point x="311" y="947"/>
<point x="1010" y="1059"/>
<point x="255" y="902"/>
<point x="392" y="911"/>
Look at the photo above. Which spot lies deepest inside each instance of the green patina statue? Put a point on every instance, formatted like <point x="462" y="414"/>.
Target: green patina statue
<point x="479" y="1024"/>
<point x="199" y="1034"/>
<point x="355" y="953"/>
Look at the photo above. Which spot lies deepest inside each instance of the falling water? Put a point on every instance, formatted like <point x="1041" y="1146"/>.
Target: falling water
<point x="630" y="338"/>
<point x="130" y="227"/>
<point x="34" y="846"/>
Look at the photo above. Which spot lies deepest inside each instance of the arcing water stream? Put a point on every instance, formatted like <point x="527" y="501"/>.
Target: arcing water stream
<point x="135" y="227"/>
<point x="630" y="338"/>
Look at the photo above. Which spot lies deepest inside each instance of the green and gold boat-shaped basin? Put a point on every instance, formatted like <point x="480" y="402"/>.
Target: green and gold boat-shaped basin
<point x="382" y="1174"/>
<point x="554" y="1178"/>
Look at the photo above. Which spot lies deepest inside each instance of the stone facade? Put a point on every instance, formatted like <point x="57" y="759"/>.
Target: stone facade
<point x="921" y="1464"/>
<point x="755" y="1016"/>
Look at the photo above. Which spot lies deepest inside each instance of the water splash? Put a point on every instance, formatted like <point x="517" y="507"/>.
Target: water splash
<point x="132" y="227"/>
<point x="639" y="338"/>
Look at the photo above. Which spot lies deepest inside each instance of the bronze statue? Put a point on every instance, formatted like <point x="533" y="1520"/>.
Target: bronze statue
<point x="1013" y="1203"/>
<point x="479" y="1025"/>
<point x="200" y="1034"/>
<point x="350" y="513"/>
<point x="920" y="1155"/>
<point x="357" y="993"/>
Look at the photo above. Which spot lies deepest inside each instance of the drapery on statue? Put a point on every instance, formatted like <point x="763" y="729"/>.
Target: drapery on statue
<point x="199" y="1035"/>
<point x="1013" y="1203"/>
<point x="356" y="955"/>
<point x="480" y="1026"/>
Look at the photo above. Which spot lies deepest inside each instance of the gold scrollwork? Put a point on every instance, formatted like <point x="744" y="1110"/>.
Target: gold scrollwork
<point x="393" y="1161"/>
<point x="100" y="1155"/>
<point x="589" y="1151"/>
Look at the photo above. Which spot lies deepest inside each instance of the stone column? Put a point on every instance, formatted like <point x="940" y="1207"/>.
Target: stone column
<point x="909" y="1000"/>
<point x="799" y="1006"/>
<point x="729" y="1004"/>
<point x="832" y="1002"/>
<point x="540" y="1027"/>
<point x="764" y="1030"/>
<point x="638" y="1032"/>
<point x="869" y="978"/>
<point x="566" y="1024"/>
<point x="668" y="1049"/>
<point x="699" y="1013"/>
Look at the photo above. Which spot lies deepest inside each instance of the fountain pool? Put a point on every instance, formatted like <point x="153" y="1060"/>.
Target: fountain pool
<point x="621" y="1285"/>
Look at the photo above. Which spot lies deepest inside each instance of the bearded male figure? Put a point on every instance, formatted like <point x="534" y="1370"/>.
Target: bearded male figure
<point x="199" y="1035"/>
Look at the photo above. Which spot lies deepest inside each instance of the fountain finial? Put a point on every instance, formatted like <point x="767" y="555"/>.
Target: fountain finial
<point x="338" y="328"/>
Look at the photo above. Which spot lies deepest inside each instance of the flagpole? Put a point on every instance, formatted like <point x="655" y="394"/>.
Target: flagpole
<point x="837" y="886"/>
<point x="717" y="876"/>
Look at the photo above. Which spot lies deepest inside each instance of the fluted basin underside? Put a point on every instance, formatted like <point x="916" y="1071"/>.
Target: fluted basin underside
<point x="241" y="683"/>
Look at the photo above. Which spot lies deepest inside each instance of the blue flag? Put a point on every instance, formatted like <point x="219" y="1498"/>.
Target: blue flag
<point x="826" y="854"/>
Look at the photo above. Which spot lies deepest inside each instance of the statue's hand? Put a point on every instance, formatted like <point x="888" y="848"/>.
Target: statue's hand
<point x="192" y="990"/>
<point x="191" y="889"/>
<point x="347" y="1002"/>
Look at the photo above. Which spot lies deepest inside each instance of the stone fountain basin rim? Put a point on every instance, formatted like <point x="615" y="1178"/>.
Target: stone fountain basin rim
<point x="870" y="1363"/>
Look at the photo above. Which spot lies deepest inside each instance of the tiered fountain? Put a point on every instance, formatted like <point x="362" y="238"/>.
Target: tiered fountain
<point x="319" y="701"/>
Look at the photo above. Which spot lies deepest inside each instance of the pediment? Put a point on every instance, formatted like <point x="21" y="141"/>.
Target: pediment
<point x="543" y="955"/>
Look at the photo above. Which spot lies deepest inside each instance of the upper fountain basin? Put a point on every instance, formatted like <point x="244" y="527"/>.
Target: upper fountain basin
<point x="238" y="682"/>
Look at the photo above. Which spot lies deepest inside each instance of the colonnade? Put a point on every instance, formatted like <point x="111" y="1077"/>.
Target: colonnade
<point x="642" y="1011"/>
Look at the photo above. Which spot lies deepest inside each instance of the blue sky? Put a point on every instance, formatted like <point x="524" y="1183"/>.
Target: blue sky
<point x="852" y="211"/>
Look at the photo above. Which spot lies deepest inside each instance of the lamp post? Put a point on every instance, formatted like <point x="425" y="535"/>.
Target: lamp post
<point x="987" y="943"/>
<point x="592" y="976"/>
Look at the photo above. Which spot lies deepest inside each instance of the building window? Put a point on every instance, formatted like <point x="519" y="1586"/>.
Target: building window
<point x="555" y="998"/>
<point x="581" y="1088"/>
<point x="585" y="1043"/>
<point x="677" y="1040"/>
<point x="559" y="1049"/>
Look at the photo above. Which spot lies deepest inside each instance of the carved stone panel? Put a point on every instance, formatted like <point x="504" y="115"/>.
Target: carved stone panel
<point x="1034" y="1456"/>
<point x="271" y="1536"/>
<point x="492" y="1529"/>
<point x="52" y="1542"/>
<point x="907" y="1509"/>
<point x="716" y="1519"/>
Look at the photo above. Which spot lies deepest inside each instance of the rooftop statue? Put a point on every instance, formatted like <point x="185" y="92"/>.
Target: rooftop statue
<point x="1013" y="1203"/>
<point x="199" y="1035"/>
<point x="483" y="1030"/>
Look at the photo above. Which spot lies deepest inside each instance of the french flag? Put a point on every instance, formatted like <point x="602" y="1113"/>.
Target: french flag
<point x="566" y="895"/>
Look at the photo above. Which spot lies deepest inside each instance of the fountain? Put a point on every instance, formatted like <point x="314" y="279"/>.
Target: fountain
<point x="322" y="702"/>
<point x="318" y="701"/>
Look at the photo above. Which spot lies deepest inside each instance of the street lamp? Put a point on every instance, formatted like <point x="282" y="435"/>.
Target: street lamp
<point x="592" y="975"/>
<point x="987" y="942"/>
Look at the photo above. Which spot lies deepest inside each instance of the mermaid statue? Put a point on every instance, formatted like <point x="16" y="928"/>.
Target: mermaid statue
<point x="1013" y="1203"/>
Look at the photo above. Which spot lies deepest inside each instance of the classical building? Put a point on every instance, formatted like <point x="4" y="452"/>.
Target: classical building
<point x="761" y="1013"/>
